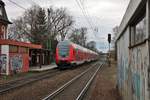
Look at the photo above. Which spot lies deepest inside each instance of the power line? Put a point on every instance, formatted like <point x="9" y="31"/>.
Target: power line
<point x="17" y="4"/>
<point x="78" y="3"/>
<point x="86" y="12"/>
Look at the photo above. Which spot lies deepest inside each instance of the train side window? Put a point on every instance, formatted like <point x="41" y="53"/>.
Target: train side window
<point x="77" y="53"/>
<point x="74" y="51"/>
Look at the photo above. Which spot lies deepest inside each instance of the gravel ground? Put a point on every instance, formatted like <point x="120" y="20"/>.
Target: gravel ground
<point x="5" y="79"/>
<point x="72" y="91"/>
<point x="104" y="85"/>
<point x="40" y="89"/>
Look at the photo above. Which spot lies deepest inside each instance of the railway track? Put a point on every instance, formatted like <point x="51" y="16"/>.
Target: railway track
<point x="76" y="88"/>
<point x="27" y="80"/>
<point x="18" y="83"/>
<point x="15" y="80"/>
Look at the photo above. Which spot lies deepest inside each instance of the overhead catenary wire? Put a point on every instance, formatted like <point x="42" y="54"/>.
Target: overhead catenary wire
<point x="86" y="12"/>
<point x="83" y="12"/>
<point x="86" y="16"/>
<point x="31" y="2"/>
<point x="17" y="4"/>
<point x="80" y="4"/>
<point x="95" y="29"/>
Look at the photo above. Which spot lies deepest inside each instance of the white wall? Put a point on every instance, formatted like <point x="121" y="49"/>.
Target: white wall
<point x="5" y="50"/>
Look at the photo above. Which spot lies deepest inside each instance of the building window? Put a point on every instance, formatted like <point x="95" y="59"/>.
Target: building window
<point x="0" y="49"/>
<point x="23" y="50"/>
<point x="13" y="49"/>
<point x="1" y="12"/>
<point x="138" y="32"/>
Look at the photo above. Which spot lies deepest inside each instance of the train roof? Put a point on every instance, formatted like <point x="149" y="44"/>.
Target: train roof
<point x="67" y="42"/>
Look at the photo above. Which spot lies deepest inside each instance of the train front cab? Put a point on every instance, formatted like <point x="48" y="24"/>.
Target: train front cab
<point x="64" y="56"/>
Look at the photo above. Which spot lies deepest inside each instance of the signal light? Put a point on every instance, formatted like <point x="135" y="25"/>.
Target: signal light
<point x="109" y="38"/>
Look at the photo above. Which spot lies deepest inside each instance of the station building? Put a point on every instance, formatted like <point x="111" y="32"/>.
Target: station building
<point x="17" y="57"/>
<point x="14" y="56"/>
<point x="133" y="52"/>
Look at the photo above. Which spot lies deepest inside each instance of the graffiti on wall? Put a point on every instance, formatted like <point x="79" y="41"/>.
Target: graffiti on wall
<point x="122" y="71"/>
<point x="136" y="84"/>
<point x="16" y="62"/>
<point x="122" y="63"/>
<point x="139" y="64"/>
<point x="3" y="61"/>
<point x="132" y="71"/>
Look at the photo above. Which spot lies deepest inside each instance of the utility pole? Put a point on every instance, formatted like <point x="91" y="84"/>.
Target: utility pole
<point x="109" y="41"/>
<point x="49" y="39"/>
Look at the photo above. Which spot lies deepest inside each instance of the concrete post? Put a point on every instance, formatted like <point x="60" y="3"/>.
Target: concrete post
<point x="148" y="36"/>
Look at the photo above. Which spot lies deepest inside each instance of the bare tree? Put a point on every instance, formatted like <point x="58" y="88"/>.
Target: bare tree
<point x="16" y="31"/>
<point x="36" y="27"/>
<point x="92" y="45"/>
<point x="115" y="33"/>
<point x="31" y="26"/>
<point x="30" y="19"/>
<point x="59" y="22"/>
<point x="23" y="27"/>
<point x="40" y="28"/>
<point x="79" y="36"/>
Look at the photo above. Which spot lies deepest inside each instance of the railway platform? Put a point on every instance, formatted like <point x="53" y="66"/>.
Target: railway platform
<point x="43" y="68"/>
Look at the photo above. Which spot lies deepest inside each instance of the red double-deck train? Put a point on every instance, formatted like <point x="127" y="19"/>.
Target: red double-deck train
<point x="69" y="54"/>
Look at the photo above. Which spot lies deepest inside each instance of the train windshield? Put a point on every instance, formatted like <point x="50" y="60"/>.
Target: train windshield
<point x="63" y="49"/>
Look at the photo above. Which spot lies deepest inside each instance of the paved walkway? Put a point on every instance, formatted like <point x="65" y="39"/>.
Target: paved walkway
<point x="43" y="68"/>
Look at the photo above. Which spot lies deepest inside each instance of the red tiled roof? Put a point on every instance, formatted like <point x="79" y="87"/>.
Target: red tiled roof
<point x="16" y="43"/>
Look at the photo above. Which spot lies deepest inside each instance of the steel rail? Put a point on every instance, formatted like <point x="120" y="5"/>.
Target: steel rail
<point x="82" y="93"/>
<point x="22" y="83"/>
<point x="26" y="81"/>
<point x="59" y="90"/>
<point x="28" y="77"/>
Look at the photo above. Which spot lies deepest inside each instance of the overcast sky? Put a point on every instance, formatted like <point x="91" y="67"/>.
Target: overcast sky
<point x="103" y="14"/>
